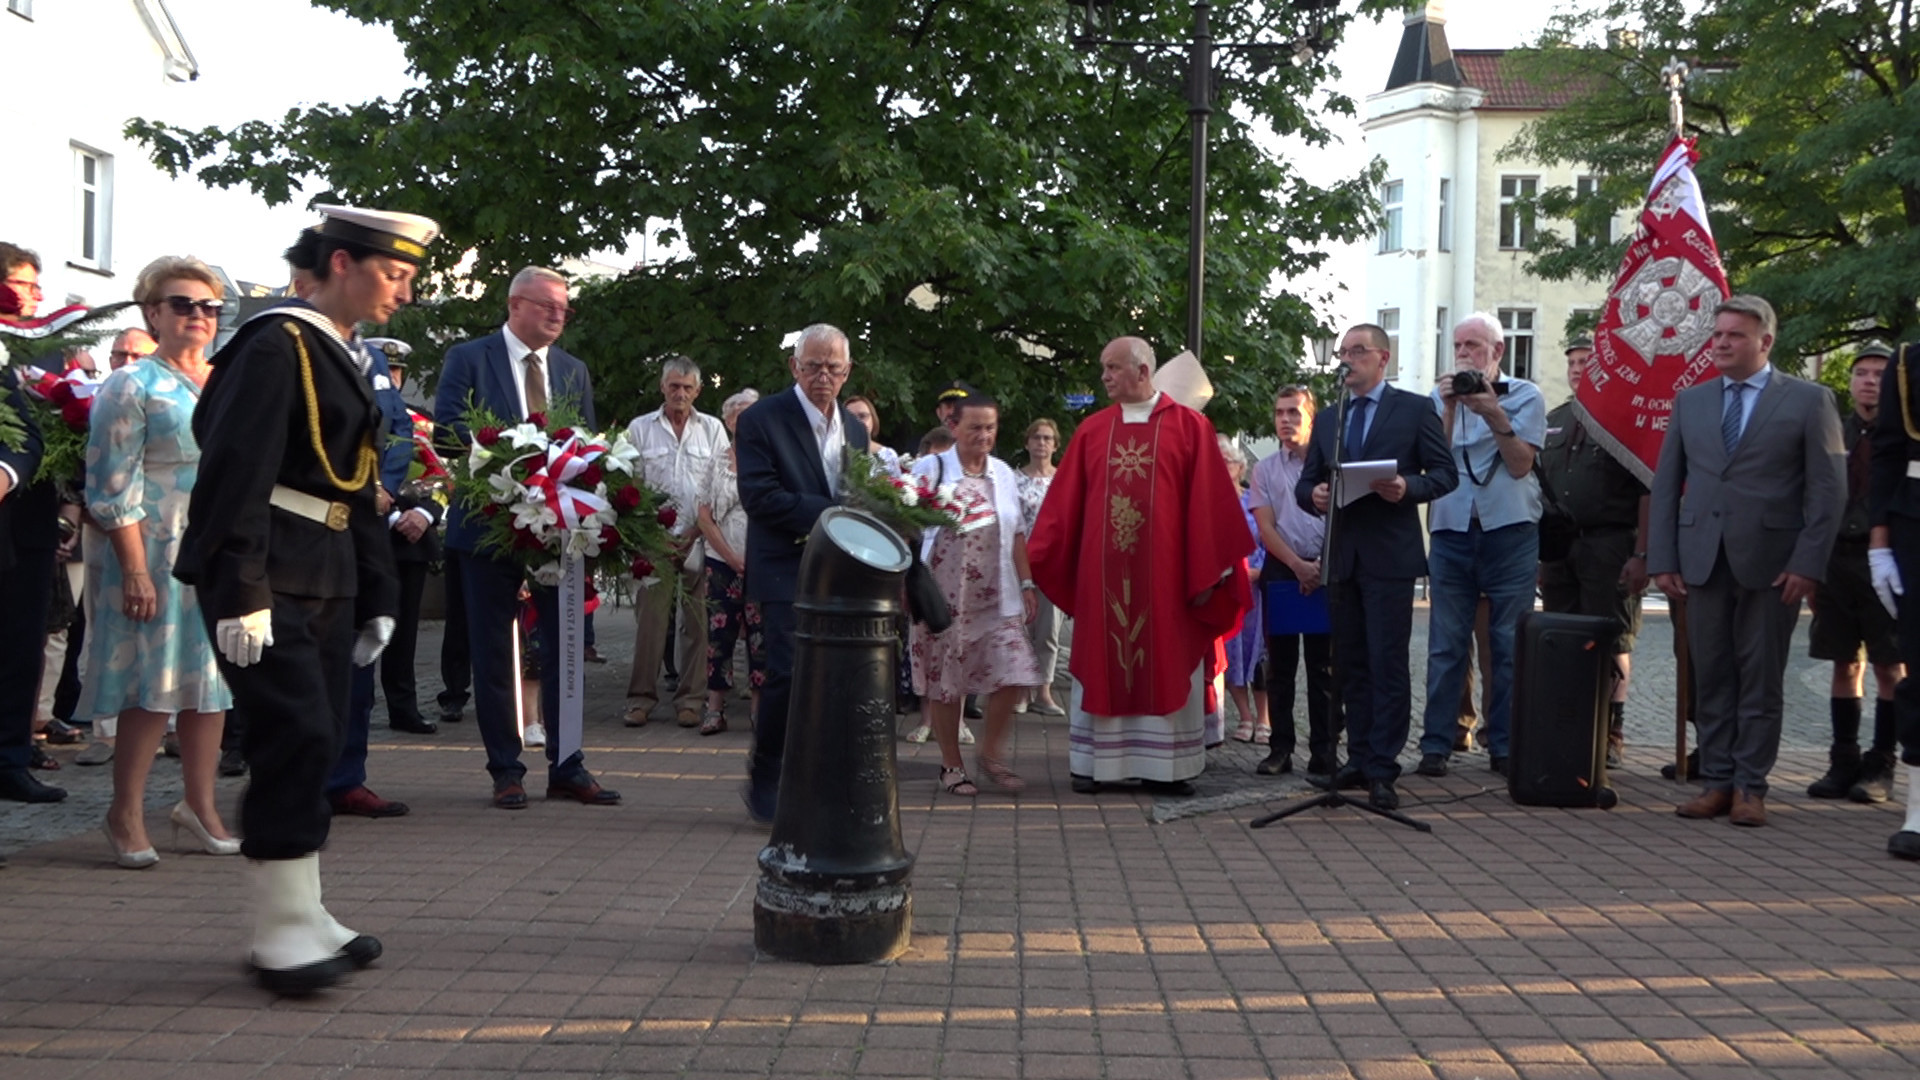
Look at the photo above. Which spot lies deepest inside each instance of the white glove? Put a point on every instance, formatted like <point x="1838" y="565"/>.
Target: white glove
<point x="372" y="640"/>
<point x="1886" y="578"/>
<point x="242" y="640"/>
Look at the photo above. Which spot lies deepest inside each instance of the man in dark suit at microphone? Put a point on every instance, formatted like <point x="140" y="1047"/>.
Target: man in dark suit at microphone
<point x="1374" y="553"/>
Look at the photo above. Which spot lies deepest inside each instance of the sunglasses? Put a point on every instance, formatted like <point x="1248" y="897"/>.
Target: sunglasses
<point x="186" y="306"/>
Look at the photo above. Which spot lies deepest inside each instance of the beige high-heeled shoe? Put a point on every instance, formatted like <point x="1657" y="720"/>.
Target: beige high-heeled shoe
<point x="183" y="817"/>
<point x="131" y="860"/>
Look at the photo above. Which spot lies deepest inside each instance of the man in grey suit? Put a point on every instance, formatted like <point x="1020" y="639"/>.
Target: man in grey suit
<point x="1746" y="504"/>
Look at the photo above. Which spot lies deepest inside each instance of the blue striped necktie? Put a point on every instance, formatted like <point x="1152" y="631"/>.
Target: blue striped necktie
<point x="1732" y="420"/>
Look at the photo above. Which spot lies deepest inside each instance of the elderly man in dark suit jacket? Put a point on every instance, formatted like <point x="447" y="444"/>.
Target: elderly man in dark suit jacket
<point x="1745" y="508"/>
<point x="513" y="374"/>
<point x="1375" y="551"/>
<point x="791" y="448"/>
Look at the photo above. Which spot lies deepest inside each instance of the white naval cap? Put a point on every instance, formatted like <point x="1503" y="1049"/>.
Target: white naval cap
<point x="395" y="350"/>
<point x="1185" y="381"/>
<point x="402" y="236"/>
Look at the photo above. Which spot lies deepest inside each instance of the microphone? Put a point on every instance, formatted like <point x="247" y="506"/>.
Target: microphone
<point x="1345" y="369"/>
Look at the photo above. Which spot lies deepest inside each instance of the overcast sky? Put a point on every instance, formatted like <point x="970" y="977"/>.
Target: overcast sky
<point x="342" y="62"/>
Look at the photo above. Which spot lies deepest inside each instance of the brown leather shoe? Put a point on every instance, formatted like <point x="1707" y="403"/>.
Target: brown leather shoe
<point x="509" y="795"/>
<point x="361" y="802"/>
<point x="1707" y="804"/>
<point x="1748" y="810"/>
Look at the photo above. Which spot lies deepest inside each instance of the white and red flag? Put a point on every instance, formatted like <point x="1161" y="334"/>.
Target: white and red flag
<point x="1654" y="336"/>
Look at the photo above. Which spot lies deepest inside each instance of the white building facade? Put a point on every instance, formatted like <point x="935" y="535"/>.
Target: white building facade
<point x="1455" y="227"/>
<point x="77" y="191"/>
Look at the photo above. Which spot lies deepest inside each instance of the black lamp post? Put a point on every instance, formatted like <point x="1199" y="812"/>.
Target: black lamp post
<point x="1200" y="80"/>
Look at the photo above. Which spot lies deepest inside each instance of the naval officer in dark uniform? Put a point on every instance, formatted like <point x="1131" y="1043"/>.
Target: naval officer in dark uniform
<point x="289" y="552"/>
<point x="1893" y="557"/>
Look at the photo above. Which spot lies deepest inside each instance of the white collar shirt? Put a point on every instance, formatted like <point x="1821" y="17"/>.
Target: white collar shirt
<point x="830" y="435"/>
<point x="517" y="353"/>
<point x="677" y="463"/>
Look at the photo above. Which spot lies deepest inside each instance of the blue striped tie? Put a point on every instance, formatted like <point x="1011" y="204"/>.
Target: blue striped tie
<point x="1731" y="420"/>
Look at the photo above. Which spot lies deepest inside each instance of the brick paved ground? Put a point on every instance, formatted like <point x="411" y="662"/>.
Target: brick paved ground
<point x="1055" y="936"/>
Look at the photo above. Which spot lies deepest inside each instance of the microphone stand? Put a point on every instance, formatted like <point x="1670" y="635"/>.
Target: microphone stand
<point x="1336" y="484"/>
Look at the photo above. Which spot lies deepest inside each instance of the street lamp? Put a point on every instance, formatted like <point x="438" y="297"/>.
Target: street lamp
<point x="1096" y="28"/>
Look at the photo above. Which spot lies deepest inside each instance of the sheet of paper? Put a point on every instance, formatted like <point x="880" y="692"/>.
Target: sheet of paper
<point x="1357" y="476"/>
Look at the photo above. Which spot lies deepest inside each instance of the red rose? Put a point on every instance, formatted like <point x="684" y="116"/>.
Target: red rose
<point x="524" y="540"/>
<point x="76" y="412"/>
<point x="667" y="516"/>
<point x="592" y="475"/>
<point x="627" y="499"/>
<point x="609" y="536"/>
<point x="642" y="567"/>
<point x="538" y="419"/>
<point x="490" y="509"/>
<point x="563" y="434"/>
<point x="59" y="391"/>
<point x="487" y="436"/>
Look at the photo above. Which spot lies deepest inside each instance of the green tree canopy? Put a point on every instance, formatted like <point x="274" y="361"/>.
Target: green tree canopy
<point x="831" y="160"/>
<point x="1809" y="148"/>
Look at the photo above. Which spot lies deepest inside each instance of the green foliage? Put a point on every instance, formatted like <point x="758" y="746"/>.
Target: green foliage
<point x="1809" y="157"/>
<point x="952" y="183"/>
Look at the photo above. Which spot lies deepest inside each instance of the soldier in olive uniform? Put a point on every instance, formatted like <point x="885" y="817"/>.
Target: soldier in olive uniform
<point x="290" y="556"/>
<point x="1847" y="621"/>
<point x="1893" y="555"/>
<point x="1606" y="571"/>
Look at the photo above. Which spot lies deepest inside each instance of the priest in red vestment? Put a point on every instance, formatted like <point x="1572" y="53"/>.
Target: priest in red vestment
<point x="1141" y="542"/>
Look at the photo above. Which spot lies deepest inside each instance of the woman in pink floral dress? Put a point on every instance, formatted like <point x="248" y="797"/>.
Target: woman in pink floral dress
<point x="981" y="566"/>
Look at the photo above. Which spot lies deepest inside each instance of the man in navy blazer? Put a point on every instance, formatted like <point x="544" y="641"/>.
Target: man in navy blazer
<point x="791" y="448"/>
<point x="1375" y="551"/>
<point x="513" y="374"/>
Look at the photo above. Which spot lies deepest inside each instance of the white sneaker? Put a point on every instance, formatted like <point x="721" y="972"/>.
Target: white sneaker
<point x="535" y="735"/>
<point x="920" y="734"/>
<point x="966" y="736"/>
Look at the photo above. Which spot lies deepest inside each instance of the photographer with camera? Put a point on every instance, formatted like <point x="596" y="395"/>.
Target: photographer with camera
<point x="1486" y="538"/>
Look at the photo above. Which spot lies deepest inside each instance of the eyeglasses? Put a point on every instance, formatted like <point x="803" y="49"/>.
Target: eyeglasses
<point x="127" y="354"/>
<point x="558" y="311"/>
<point x="32" y="287"/>
<point x="814" y="369"/>
<point x="1355" y="352"/>
<point x="187" y="307"/>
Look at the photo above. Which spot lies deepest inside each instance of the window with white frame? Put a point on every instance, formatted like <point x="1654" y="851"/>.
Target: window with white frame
<point x="1516" y="210"/>
<point x="22" y="8"/>
<point x="1393" y="210"/>
<point x="1588" y="187"/>
<point x="1443" y="236"/>
<point x="1442" y="347"/>
<point x="92" y="208"/>
<point x="1517" y="324"/>
<point x="1389" y="320"/>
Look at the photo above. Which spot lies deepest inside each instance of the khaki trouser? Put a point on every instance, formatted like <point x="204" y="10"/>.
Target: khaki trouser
<point x="650" y="606"/>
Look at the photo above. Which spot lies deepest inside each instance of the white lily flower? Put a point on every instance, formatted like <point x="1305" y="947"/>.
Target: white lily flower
<point x="523" y="435"/>
<point x="505" y="488"/>
<point x="535" y="516"/>
<point x="547" y="573"/>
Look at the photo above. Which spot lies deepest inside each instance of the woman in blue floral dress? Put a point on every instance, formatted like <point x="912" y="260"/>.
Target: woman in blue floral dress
<point x="148" y="654"/>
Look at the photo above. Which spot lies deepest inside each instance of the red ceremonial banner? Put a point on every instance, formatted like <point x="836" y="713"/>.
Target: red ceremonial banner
<point x="1654" y="336"/>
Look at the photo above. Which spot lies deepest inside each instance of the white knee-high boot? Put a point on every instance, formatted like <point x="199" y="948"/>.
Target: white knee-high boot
<point x="293" y="950"/>
<point x="1906" y="843"/>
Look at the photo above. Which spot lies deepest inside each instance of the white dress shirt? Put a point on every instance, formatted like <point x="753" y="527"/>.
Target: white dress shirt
<point x="677" y="463"/>
<point x="517" y="353"/>
<point x="831" y="436"/>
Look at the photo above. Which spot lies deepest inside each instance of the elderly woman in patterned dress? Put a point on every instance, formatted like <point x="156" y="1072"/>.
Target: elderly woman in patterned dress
<point x="981" y="566"/>
<point x="148" y="654"/>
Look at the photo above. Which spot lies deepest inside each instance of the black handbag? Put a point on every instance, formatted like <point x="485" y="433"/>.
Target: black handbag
<point x="925" y="602"/>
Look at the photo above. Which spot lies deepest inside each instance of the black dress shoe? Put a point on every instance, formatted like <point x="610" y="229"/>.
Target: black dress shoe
<point x="971" y="709"/>
<point x="1498" y="763"/>
<point x="1432" y="765"/>
<point x="1275" y="765"/>
<point x="1693" y="767"/>
<point x="1904" y="845"/>
<point x="1177" y="788"/>
<point x="452" y="716"/>
<point x="1085" y="785"/>
<point x="304" y="980"/>
<point x="1383" y="796"/>
<point x="232" y="763"/>
<point x="1347" y="778"/>
<point x="19" y="785"/>
<point x="582" y="788"/>
<point x="421" y="726"/>
<point x="509" y="795"/>
<point x="363" y="950"/>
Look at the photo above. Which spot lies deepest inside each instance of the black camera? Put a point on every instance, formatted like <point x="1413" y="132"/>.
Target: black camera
<point x="1472" y="382"/>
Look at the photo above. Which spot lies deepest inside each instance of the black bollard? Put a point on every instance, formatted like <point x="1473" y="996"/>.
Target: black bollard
<point x="834" y="875"/>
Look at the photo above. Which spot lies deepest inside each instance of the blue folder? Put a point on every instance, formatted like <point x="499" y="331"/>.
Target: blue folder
<point x="1290" y="612"/>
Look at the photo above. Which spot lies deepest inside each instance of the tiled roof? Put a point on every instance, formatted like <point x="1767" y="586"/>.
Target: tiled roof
<point x="1487" y="70"/>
